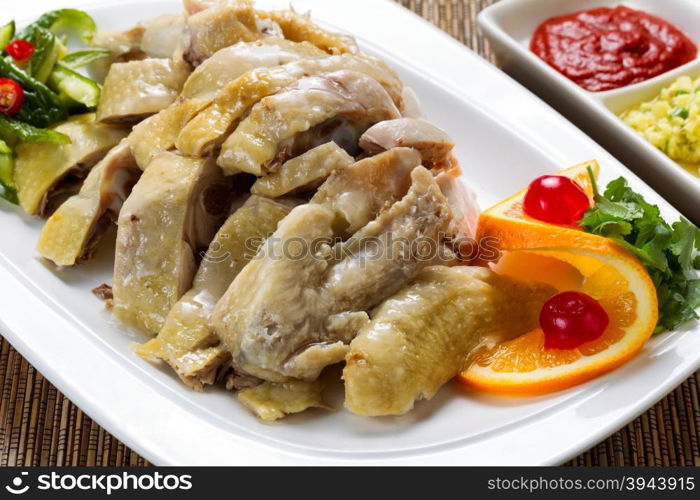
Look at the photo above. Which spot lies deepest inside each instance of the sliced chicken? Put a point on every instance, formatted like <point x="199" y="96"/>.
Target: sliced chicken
<point x="226" y="65"/>
<point x="271" y="401"/>
<point x="137" y="89"/>
<point x="210" y="128"/>
<point x="194" y="6"/>
<point x="124" y="46"/>
<point x="433" y="143"/>
<point x="300" y="28"/>
<point x="337" y="106"/>
<point x="157" y="37"/>
<point x="159" y="132"/>
<point x="72" y="233"/>
<point x="163" y="35"/>
<point x="425" y="334"/>
<point x="304" y="172"/>
<point x="172" y="213"/>
<point x="219" y="26"/>
<point x="411" y="105"/>
<point x="295" y="308"/>
<point x="357" y="194"/>
<point x="187" y="342"/>
<point x="465" y="208"/>
<point x="156" y="134"/>
<point x="46" y="173"/>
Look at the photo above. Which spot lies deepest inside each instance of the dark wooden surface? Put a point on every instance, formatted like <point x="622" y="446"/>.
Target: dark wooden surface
<point x="39" y="426"/>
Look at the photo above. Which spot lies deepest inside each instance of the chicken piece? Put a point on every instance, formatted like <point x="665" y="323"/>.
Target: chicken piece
<point x="162" y="35"/>
<point x="304" y="172"/>
<point x="217" y="27"/>
<point x="305" y="115"/>
<point x="226" y="65"/>
<point x="425" y="334"/>
<point x="295" y="308"/>
<point x="411" y="105"/>
<point x="121" y="43"/>
<point x="358" y="194"/>
<point x="434" y="144"/>
<point x="137" y="89"/>
<point x="194" y="6"/>
<point x="172" y="213"/>
<point x="72" y="233"/>
<point x="46" y="173"/>
<point x="214" y="124"/>
<point x="159" y="132"/>
<point x="124" y="46"/>
<point x="464" y="207"/>
<point x="300" y="28"/>
<point x="158" y="37"/>
<point x="187" y="342"/>
<point x="271" y="401"/>
<point x="156" y="134"/>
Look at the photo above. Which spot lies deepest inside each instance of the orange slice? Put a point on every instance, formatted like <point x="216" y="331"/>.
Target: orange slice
<point x="569" y="259"/>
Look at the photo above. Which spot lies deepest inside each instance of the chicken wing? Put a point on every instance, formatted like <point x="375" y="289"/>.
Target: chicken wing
<point x="173" y="212"/>
<point x="45" y="173"/>
<point x="425" y="334"/>
<point x="303" y="116"/>
<point x="186" y="341"/>
<point x="72" y="233"/>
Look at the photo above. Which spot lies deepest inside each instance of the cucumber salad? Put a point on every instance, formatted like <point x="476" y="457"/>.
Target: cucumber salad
<point x="40" y="85"/>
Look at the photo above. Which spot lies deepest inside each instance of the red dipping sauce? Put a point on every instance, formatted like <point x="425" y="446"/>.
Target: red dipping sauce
<point x="604" y="48"/>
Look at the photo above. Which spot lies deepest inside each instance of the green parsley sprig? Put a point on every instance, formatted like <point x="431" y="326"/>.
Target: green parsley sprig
<point x="669" y="252"/>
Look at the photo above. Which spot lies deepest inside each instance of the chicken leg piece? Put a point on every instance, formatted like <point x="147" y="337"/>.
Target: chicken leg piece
<point x="173" y="211"/>
<point x="425" y="334"/>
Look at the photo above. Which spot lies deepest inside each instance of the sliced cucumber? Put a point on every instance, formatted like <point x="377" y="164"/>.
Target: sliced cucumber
<point x="82" y="58"/>
<point x="74" y="87"/>
<point x="6" y="34"/>
<point x="8" y="190"/>
<point x="48" y="48"/>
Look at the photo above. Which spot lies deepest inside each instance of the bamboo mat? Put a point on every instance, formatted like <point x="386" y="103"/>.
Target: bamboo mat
<point x="39" y="426"/>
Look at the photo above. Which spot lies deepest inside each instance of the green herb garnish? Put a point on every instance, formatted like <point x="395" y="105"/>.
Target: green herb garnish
<point x="681" y="113"/>
<point x="669" y="252"/>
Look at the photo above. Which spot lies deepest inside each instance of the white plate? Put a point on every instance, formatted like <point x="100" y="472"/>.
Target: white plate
<point x="505" y="138"/>
<point x="509" y="25"/>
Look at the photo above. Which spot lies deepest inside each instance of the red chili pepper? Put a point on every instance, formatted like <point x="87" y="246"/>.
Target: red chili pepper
<point x="11" y="96"/>
<point x="20" y="50"/>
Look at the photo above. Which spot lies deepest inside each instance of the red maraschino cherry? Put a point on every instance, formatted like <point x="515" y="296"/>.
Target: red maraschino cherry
<point x="571" y="319"/>
<point x="556" y="199"/>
